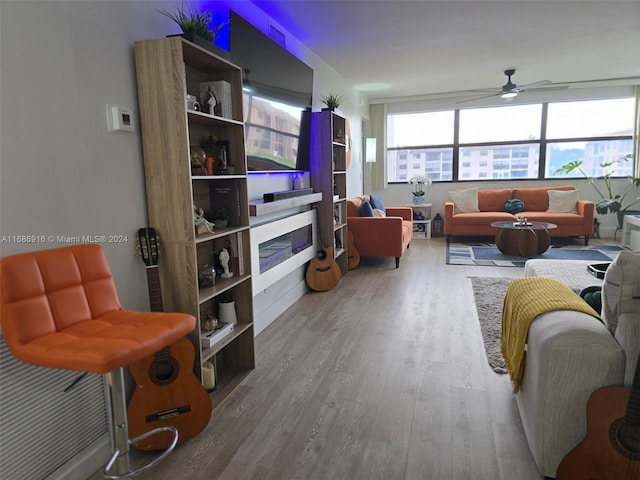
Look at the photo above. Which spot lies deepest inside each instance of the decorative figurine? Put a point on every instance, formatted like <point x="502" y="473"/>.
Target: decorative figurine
<point x="201" y="223"/>
<point x="223" y="256"/>
<point x="211" y="101"/>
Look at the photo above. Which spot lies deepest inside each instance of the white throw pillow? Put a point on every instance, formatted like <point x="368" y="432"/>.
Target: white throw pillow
<point x="379" y="213"/>
<point x="465" y="201"/>
<point x="563" y="201"/>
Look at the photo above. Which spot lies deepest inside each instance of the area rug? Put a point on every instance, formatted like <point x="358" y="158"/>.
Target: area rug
<point x="489" y="294"/>
<point x="487" y="254"/>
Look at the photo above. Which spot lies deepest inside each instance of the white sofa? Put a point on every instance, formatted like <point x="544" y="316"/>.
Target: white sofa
<point x="571" y="354"/>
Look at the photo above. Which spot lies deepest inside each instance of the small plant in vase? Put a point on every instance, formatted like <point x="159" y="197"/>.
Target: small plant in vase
<point x="332" y="100"/>
<point x="420" y="183"/>
<point x="227" y="307"/>
<point x="221" y="217"/>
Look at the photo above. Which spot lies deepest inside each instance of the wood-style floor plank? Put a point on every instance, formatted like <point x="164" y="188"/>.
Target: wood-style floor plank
<point x="383" y="377"/>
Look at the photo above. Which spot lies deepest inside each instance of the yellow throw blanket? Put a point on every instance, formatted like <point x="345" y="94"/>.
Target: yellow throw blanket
<point x="526" y="298"/>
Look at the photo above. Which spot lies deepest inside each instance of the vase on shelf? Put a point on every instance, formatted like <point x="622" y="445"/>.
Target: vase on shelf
<point x="419" y="199"/>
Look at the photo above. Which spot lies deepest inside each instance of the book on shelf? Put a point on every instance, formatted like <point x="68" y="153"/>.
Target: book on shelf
<point x="210" y="338"/>
<point x="221" y="91"/>
<point x="225" y="194"/>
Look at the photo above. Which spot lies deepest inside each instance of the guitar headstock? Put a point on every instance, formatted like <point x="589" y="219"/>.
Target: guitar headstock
<point x="148" y="246"/>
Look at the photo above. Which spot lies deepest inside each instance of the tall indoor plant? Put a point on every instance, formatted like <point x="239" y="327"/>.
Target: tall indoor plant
<point x="610" y="201"/>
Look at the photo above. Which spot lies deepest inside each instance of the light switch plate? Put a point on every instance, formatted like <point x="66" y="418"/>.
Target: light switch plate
<point x="120" y="119"/>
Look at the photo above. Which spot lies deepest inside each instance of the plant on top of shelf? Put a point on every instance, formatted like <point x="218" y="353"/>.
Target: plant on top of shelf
<point x="610" y="202"/>
<point x="420" y="184"/>
<point x="332" y="100"/>
<point x="192" y="21"/>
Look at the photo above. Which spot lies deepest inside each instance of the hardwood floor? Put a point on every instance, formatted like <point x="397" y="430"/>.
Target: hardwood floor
<point x="384" y="377"/>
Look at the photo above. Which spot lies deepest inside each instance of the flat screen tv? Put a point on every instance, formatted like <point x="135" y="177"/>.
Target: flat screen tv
<point x="277" y="92"/>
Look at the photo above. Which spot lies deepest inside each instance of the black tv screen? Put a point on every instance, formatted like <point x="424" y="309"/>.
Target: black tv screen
<point x="278" y="87"/>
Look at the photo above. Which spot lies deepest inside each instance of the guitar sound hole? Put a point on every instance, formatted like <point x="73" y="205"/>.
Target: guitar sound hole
<point x="321" y="255"/>
<point x="625" y="439"/>
<point x="163" y="372"/>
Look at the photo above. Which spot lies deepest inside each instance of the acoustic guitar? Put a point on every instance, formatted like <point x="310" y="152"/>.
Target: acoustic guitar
<point x="167" y="392"/>
<point x="323" y="273"/>
<point x="611" y="448"/>
<point x="353" y="258"/>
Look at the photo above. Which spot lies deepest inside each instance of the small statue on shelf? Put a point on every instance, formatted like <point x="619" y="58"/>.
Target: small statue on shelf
<point x="201" y="223"/>
<point x="210" y="101"/>
<point x="224" y="257"/>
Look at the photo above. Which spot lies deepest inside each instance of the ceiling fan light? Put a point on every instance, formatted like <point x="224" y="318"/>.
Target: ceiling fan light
<point x="509" y="94"/>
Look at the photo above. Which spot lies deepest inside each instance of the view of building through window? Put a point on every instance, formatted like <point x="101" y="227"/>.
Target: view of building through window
<point x="509" y="142"/>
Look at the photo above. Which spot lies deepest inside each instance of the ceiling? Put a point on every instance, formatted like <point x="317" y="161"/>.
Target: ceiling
<point x="401" y="48"/>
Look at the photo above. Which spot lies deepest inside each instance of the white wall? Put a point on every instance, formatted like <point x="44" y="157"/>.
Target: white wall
<point x="62" y="173"/>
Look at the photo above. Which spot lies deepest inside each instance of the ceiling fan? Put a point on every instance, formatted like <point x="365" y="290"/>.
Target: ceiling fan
<point x="510" y="90"/>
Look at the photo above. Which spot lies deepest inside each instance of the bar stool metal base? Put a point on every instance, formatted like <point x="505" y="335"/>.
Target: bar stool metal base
<point x="119" y="461"/>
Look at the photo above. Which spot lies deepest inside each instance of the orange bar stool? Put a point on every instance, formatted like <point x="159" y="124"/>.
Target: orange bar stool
<point x="60" y="309"/>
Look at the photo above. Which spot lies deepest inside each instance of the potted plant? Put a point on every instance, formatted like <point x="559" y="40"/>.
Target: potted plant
<point x="610" y="201"/>
<point x="221" y="217"/>
<point x="196" y="26"/>
<point x="420" y="183"/>
<point x="227" y="307"/>
<point x="332" y="101"/>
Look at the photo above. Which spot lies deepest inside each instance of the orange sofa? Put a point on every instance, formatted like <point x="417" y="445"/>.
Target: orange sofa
<point x="536" y="203"/>
<point x="380" y="236"/>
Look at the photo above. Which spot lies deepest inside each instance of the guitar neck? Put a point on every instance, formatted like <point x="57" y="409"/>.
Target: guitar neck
<point x="155" y="294"/>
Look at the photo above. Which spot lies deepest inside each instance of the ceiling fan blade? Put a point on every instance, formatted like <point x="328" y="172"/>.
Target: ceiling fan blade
<point x="520" y="88"/>
<point x="478" y="98"/>
<point x="549" y="89"/>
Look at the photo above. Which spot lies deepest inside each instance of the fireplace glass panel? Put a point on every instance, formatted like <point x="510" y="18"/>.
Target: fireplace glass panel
<point x="277" y="250"/>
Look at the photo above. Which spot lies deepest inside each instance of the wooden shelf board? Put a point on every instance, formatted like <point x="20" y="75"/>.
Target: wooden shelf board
<point x="219" y="232"/>
<point x="222" y="284"/>
<point x="239" y="329"/>
<point x="216" y="177"/>
<point x="207" y="119"/>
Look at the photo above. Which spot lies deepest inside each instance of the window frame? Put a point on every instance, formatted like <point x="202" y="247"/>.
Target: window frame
<point x="542" y="143"/>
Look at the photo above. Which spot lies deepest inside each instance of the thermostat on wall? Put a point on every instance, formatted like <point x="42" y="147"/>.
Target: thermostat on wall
<point x="120" y="119"/>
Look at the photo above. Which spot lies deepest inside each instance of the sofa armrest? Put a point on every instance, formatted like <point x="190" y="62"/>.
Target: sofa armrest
<point x="569" y="356"/>
<point x="586" y="209"/>
<point x="405" y="212"/>
<point x="377" y="236"/>
<point x="448" y="217"/>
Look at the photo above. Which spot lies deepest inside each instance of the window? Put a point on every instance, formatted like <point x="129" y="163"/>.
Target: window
<point x="605" y="126"/>
<point x="421" y="135"/>
<point x="508" y="142"/>
<point x="500" y="124"/>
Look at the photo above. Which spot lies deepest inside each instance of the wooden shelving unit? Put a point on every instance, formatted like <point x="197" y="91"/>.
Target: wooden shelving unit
<point x="329" y="177"/>
<point x="167" y="70"/>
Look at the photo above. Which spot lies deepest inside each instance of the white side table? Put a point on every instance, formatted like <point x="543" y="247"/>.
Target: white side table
<point x="631" y="231"/>
<point x="425" y="208"/>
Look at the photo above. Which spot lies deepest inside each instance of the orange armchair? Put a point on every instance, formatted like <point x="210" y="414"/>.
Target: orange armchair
<point x="59" y="308"/>
<point x="380" y="236"/>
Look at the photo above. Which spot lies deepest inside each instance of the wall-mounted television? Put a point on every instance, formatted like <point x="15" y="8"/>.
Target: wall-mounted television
<point x="277" y="93"/>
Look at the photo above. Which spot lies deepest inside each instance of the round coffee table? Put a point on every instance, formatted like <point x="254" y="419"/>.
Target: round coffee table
<point x="527" y="240"/>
